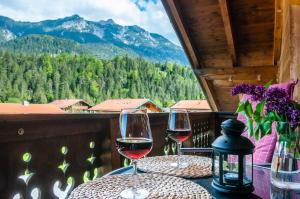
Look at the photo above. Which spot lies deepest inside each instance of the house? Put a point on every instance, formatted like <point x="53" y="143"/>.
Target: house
<point x="116" y="105"/>
<point x="14" y="108"/>
<point x="72" y="105"/>
<point x="193" y="105"/>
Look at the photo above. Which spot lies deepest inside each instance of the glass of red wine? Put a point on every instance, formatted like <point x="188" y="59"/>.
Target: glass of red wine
<point x="179" y="130"/>
<point x="134" y="141"/>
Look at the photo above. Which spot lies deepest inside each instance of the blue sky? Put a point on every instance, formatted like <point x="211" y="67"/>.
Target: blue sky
<point x="149" y="14"/>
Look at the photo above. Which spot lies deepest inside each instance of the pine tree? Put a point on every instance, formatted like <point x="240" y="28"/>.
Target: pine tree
<point x="43" y="78"/>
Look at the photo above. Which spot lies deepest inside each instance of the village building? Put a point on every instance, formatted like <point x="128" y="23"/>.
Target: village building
<point x="116" y="105"/>
<point x="14" y="108"/>
<point x="193" y="105"/>
<point x="72" y="105"/>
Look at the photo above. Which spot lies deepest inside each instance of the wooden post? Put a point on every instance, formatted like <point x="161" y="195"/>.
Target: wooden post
<point x="295" y="48"/>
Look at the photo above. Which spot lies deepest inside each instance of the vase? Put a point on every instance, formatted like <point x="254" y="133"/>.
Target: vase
<point x="285" y="167"/>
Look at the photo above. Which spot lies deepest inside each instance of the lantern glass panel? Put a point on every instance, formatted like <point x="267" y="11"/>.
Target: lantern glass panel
<point x="216" y="166"/>
<point x="231" y="168"/>
<point x="248" y="169"/>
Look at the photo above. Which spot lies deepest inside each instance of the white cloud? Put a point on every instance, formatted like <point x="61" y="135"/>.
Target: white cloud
<point x="153" y="17"/>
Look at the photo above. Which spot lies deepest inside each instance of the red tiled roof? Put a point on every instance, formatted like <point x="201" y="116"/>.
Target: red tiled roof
<point x="12" y="108"/>
<point x="64" y="103"/>
<point x="116" y="105"/>
<point x="192" y="105"/>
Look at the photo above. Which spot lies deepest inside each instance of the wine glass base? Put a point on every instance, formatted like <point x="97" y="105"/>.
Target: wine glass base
<point x="133" y="193"/>
<point x="182" y="165"/>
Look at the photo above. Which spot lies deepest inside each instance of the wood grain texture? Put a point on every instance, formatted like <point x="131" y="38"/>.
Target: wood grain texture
<point x="228" y="30"/>
<point x="226" y="33"/>
<point x="44" y="135"/>
<point x="285" y="54"/>
<point x="178" y="24"/>
<point x="294" y="2"/>
<point x="295" y="49"/>
<point x="212" y="99"/>
<point x="175" y="14"/>
<point x="277" y="30"/>
<point x="229" y="71"/>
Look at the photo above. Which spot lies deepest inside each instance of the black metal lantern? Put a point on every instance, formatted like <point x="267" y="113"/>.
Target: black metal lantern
<point x="232" y="162"/>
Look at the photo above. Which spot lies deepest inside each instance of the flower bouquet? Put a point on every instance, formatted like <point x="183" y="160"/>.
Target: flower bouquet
<point x="274" y="105"/>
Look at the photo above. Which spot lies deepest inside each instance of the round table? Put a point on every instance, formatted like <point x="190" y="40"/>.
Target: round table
<point x="261" y="182"/>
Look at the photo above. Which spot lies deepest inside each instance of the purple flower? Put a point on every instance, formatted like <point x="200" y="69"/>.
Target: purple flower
<point x="243" y="89"/>
<point x="293" y="116"/>
<point x="274" y="107"/>
<point x="286" y="110"/>
<point x="277" y="100"/>
<point x="275" y="94"/>
<point x="258" y="93"/>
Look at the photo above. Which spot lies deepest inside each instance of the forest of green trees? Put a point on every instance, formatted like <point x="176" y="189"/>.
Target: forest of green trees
<point x="44" y="78"/>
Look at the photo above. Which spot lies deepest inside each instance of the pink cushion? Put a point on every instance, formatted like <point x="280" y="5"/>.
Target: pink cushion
<point x="288" y="86"/>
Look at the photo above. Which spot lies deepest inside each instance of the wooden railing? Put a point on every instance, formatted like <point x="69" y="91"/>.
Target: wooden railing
<point x="46" y="156"/>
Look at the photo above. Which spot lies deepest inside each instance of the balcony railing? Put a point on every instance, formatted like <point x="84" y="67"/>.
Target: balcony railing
<point x="46" y="156"/>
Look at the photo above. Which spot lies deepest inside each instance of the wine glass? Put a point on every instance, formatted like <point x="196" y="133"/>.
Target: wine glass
<point x="179" y="130"/>
<point x="134" y="141"/>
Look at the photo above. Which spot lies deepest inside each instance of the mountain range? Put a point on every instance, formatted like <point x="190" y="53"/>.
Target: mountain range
<point x="73" y="34"/>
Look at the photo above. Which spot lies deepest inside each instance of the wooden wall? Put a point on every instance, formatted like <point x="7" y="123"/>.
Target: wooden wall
<point x="285" y="44"/>
<point x="290" y="47"/>
<point x="295" y="38"/>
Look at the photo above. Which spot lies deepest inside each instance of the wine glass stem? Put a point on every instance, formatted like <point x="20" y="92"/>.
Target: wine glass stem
<point x="134" y="162"/>
<point x="179" y="152"/>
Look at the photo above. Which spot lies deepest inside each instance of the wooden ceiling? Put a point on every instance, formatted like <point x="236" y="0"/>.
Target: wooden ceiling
<point x="228" y="42"/>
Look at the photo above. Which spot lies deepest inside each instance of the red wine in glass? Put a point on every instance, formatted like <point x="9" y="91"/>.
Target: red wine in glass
<point x="179" y="135"/>
<point x="179" y="130"/>
<point x="134" y="148"/>
<point x="134" y="141"/>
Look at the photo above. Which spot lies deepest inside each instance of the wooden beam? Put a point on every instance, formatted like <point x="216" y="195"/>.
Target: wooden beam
<point x="174" y="14"/>
<point x="210" y="96"/>
<point x="221" y="71"/>
<point x="277" y="31"/>
<point x="222" y="84"/>
<point x="294" y="2"/>
<point x="262" y="77"/>
<point x="228" y="31"/>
